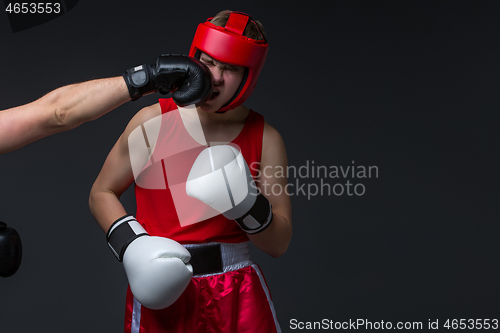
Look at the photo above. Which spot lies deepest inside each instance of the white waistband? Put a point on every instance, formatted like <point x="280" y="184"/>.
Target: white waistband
<point x="234" y="255"/>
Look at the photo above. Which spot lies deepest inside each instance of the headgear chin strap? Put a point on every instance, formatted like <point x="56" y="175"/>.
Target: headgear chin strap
<point x="228" y="45"/>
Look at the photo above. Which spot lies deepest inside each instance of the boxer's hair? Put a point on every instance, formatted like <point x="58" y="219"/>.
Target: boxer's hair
<point x="251" y="30"/>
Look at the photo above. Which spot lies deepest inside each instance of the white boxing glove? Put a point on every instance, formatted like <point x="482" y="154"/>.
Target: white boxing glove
<point x="220" y="177"/>
<point x="157" y="268"/>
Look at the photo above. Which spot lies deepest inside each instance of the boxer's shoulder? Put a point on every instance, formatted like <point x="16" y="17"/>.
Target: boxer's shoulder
<point x="139" y="119"/>
<point x="145" y="114"/>
<point x="271" y="135"/>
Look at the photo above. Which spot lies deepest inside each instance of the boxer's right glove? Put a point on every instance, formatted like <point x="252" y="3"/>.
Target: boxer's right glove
<point x="157" y="268"/>
<point x="189" y="77"/>
<point x="221" y="178"/>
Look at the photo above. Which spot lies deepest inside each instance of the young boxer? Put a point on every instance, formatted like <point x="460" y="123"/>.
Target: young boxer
<point x="187" y="264"/>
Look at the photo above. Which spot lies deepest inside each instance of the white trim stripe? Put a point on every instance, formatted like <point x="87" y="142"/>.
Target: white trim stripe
<point x="264" y="286"/>
<point x="126" y="219"/>
<point x="114" y="252"/>
<point x="137" y="228"/>
<point x="136" y="317"/>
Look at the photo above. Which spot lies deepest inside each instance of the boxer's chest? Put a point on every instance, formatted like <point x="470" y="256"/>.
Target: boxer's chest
<point x="221" y="134"/>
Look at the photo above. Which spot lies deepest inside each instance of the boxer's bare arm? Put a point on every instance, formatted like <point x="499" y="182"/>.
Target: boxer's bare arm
<point x="60" y="110"/>
<point x="274" y="240"/>
<point x="116" y="174"/>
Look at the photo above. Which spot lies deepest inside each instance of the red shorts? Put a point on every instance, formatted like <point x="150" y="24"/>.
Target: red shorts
<point x="233" y="302"/>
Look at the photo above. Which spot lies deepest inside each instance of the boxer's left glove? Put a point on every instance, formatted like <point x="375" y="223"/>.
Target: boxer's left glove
<point x="220" y="177"/>
<point x="10" y="251"/>
<point x="189" y="77"/>
<point x="157" y="268"/>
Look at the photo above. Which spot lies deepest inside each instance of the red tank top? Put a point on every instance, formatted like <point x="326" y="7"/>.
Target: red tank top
<point x="158" y="210"/>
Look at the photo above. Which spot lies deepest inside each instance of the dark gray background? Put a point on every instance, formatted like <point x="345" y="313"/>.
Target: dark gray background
<point x="409" y="86"/>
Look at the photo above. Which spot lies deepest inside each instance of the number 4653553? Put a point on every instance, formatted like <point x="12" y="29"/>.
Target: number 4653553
<point x="33" y="8"/>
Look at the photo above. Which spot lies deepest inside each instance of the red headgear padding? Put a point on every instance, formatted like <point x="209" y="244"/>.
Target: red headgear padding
<point x="227" y="44"/>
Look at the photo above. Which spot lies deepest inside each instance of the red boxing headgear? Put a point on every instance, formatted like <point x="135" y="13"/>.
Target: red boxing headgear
<point x="227" y="44"/>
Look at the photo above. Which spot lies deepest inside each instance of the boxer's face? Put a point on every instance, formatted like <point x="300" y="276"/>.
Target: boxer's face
<point x="227" y="78"/>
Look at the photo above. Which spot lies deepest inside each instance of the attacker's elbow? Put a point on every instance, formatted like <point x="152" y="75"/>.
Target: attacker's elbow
<point x="60" y="117"/>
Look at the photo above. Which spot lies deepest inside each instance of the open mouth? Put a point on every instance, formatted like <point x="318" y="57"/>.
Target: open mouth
<point x="214" y="95"/>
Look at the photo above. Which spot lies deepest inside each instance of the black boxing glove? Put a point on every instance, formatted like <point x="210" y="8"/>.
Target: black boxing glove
<point x="10" y="251"/>
<point x="191" y="79"/>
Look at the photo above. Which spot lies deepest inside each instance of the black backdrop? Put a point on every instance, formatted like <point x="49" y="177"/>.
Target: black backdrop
<point x="410" y="87"/>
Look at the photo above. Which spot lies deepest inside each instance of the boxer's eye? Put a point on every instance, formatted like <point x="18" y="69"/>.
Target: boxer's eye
<point x="207" y="62"/>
